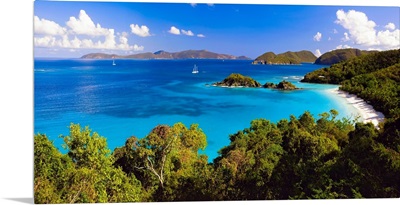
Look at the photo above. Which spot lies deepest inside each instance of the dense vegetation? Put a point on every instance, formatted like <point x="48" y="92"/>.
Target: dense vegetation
<point x="380" y="88"/>
<point x="283" y="85"/>
<point x="375" y="78"/>
<point x="339" y="55"/>
<point x="238" y="80"/>
<point x="345" y="70"/>
<point x="285" y="58"/>
<point x="296" y="158"/>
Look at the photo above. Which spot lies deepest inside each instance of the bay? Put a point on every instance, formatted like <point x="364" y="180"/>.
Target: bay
<point x="134" y="96"/>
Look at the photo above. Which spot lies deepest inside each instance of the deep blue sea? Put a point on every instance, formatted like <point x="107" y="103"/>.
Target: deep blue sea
<point x="134" y="96"/>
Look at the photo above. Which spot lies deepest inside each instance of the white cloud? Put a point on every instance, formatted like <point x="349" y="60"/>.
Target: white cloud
<point x="335" y="31"/>
<point x="389" y="39"/>
<point x="43" y="26"/>
<point x="46" y="41"/>
<point x="85" y="26"/>
<point x="318" y="36"/>
<point x="188" y="33"/>
<point x="123" y="38"/>
<point x="142" y="31"/>
<point x="79" y="33"/>
<point x="137" y="48"/>
<point x="390" y="26"/>
<point x="343" y="46"/>
<point x="346" y="37"/>
<point x="362" y="31"/>
<point x="174" y="30"/>
<point x="317" y="53"/>
<point x="329" y="39"/>
<point x="194" y="4"/>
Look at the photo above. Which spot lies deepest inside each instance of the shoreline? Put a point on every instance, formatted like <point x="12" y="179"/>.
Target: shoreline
<point x="365" y="110"/>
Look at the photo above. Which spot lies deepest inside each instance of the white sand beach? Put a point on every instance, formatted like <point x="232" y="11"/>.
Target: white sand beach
<point x="366" y="111"/>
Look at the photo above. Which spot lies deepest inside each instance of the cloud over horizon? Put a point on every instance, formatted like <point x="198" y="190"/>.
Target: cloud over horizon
<point x="79" y="33"/>
<point x="176" y="31"/>
<point x="318" y="36"/>
<point x="188" y="33"/>
<point x="142" y="31"/>
<point x="362" y="31"/>
<point x="317" y="53"/>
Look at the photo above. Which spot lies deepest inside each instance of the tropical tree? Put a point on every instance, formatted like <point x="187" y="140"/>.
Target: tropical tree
<point x="165" y="159"/>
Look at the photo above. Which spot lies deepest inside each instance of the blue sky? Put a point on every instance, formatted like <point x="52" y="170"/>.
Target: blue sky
<point x="72" y="29"/>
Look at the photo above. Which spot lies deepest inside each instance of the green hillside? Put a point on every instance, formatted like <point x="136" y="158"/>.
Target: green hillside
<point x="339" y="55"/>
<point x="339" y="72"/>
<point x="285" y="58"/>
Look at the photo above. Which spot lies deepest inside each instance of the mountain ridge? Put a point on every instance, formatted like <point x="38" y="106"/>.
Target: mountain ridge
<point x="288" y="57"/>
<point x="338" y="55"/>
<point x="161" y="54"/>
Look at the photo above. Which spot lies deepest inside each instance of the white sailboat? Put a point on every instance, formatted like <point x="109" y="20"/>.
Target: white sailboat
<point x="113" y="62"/>
<point x="195" y="69"/>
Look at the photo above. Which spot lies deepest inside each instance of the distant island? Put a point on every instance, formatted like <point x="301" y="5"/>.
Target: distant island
<point x="238" y="80"/>
<point x="287" y="58"/>
<point x="339" y="55"/>
<point x="187" y="54"/>
<point x="296" y="58"/>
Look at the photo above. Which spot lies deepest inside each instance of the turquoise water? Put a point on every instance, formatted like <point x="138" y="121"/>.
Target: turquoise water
<point x="134" y="96"/>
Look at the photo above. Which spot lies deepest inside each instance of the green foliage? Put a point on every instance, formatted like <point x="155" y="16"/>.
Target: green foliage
<point x="339" y="55"/>
<point x="345" y="70"/>
<point x="285" y="58"/>
<point x="165" y="159"/>
<point x="238" y="80"/>
<point x="296" y="158"/>
<point x="283" y="85"/>
<point x="50" y="171"/>
<point x="366" y="167"/>
<point x="286" y="85"/>
<point x="87" y="149"/>
<point x="282" y="161"/>
<point x="84" y="175"/>
<point x="380" y="88"/>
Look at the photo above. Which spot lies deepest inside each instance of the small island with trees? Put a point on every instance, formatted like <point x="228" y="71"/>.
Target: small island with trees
<point x="238" y="80"/>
